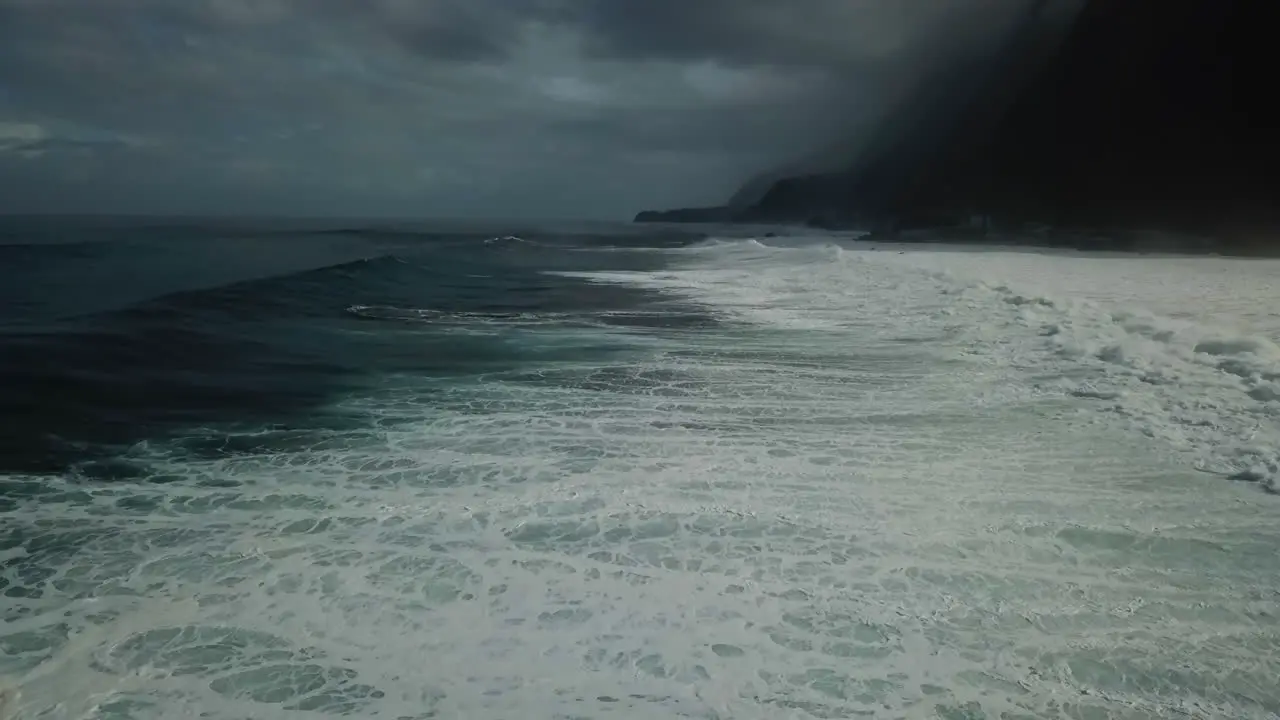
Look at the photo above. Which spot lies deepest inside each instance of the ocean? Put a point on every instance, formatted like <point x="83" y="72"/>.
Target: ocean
<point x="255" y="469"/>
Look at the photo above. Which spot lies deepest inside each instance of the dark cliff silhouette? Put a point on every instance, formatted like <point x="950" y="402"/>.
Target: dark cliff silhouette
<point x="1147" y="114"/>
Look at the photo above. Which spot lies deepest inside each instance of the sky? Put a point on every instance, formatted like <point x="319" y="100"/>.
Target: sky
<point x="444" y="108"/>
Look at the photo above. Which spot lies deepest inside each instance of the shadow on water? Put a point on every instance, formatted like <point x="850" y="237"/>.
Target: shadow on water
<point x="106" y="344"/>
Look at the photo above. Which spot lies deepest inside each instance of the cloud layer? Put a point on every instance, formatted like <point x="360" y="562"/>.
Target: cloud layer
<point x="443" y="107"/>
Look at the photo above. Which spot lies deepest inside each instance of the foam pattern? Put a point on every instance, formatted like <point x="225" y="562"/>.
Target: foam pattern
<point x="872" y="491"/>
<point x="1183" y="350"/>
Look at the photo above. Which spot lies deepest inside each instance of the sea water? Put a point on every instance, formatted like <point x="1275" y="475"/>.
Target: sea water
<point x="255" y="470"/>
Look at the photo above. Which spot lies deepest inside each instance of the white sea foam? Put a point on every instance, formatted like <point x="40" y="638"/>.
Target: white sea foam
<point x="887" y="486"/>
<point x="1183" y="349"/>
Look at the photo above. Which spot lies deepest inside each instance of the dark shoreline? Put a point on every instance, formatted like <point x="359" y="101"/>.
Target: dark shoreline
<point x="1121" y="242"/>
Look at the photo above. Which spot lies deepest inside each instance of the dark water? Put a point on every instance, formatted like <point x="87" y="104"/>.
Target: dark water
<point x="117" y="331"/>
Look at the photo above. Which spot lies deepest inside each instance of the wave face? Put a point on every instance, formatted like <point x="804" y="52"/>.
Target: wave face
<point x="409" y="473"/>
<point x="117" y="339"/>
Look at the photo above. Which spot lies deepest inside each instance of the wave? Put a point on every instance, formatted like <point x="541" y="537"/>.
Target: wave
<point x="506" y="239"/>
<point x="245" y="351"/>
<point x="1210" y="392"/>
<point x="262" y="296"/>
<point x="614" y="237"/>
<point x="1183" y="351"/>
<point x="386" y="312"/>
<point x="668" y="317"/>
<point x="133" y="363"/>
<point x="1206" y="391"/>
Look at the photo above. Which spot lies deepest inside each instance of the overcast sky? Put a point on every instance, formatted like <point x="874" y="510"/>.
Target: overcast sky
<point x="445" y="108"/>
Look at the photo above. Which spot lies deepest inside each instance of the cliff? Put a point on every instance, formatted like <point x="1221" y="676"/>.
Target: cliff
<point x="1158" y="113"/>
<point x="1153" y="114"/>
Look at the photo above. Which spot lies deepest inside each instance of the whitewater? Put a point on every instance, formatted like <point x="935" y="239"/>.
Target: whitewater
<point x="873" y="481"/>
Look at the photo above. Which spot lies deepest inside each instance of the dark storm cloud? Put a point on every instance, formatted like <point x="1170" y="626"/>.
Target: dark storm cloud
<point x="842" y="33"/>
<point x="445" y="106"/>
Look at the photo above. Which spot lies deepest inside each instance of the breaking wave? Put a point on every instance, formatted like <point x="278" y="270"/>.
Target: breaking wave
<point x="1209" y="391"/>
